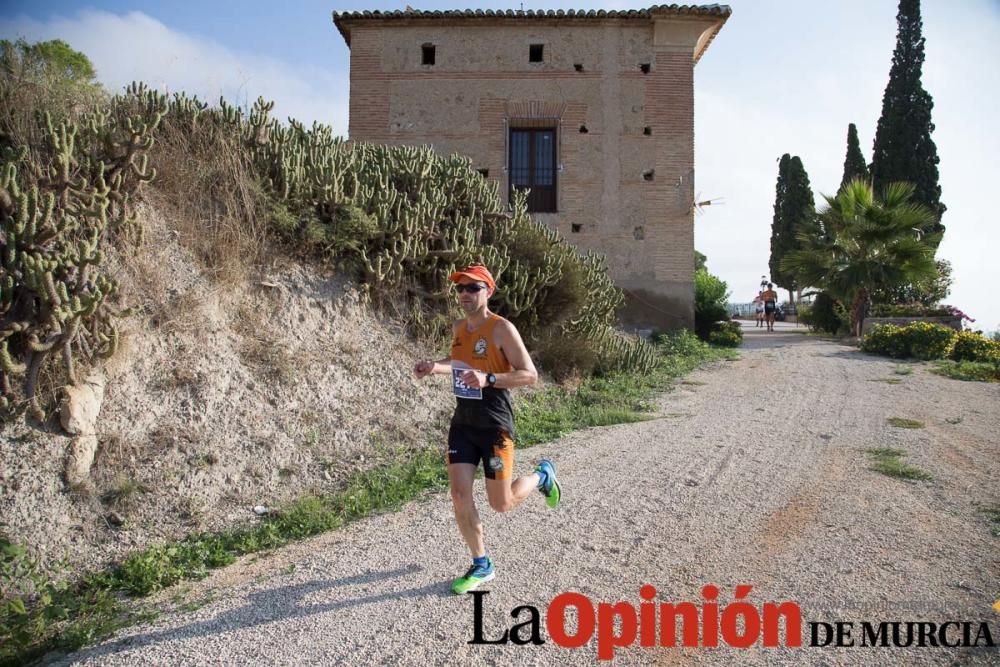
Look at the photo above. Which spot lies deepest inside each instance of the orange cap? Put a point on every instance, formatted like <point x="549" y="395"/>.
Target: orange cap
<point x="475" y="272"/>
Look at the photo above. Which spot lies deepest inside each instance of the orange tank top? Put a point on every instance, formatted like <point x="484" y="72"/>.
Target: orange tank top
<point x="479" y="349"/>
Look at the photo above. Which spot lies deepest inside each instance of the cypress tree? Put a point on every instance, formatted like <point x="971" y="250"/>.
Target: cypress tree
<point x="779" y="228"/>
<point x="854" y="164"/>
<point x="904" y="150"/>
<point x="794" y="213"/>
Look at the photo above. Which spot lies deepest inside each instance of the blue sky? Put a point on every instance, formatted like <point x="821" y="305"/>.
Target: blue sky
<point x="782" y="76"/>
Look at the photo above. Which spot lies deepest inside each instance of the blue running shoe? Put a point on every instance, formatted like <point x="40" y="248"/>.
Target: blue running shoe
<point x="476" y="575"/>
<point x="550" y="489"/>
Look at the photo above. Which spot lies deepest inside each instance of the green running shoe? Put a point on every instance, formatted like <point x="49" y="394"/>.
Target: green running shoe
<point x="551" y="489"/>
<point x="476" y="575"/>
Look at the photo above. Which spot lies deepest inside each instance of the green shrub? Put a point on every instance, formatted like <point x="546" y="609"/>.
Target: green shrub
<point x="970" y="371"/>
<point x="726" y="334"/>
<point x="710" y="294"/>
<point x="823" y="315"/>
<point x="887" y="340"/>
<point x="38" y="614"/>
<point x="974" y="346"/>
<point x="922" y="340"/>
<point x="929" y="341"/>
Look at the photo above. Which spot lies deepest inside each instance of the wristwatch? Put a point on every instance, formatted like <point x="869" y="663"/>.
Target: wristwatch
<point x="491" y="379"/>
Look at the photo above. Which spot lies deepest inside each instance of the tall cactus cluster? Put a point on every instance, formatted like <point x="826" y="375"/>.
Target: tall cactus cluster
<point x="60" y="203"/>
<point x="404" y="218"/>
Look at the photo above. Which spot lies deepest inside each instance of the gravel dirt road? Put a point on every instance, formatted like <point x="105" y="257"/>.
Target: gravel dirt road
<point x="753" y="473"/>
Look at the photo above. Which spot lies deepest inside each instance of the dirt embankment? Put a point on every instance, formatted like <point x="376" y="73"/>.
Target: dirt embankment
<point x="754" y="473"/>
<point x="221" y="399"/>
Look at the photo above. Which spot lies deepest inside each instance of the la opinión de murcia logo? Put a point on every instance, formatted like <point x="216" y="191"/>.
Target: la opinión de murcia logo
<point x="739" y="624"/>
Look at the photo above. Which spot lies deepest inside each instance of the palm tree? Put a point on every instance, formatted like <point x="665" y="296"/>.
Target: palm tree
<point x="865" y="244"/>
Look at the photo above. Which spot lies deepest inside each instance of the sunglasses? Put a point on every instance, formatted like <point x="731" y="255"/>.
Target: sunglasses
<point x="471" y="289"/>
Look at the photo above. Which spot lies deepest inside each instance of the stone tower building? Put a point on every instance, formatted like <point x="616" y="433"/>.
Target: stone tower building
<point x="593" y="111"/>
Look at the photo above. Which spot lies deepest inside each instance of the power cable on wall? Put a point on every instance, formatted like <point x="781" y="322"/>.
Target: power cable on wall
<point x="649" y="305"/>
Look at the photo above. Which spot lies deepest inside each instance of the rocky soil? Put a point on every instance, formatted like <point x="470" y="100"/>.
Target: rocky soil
<point x="220" y="400"/>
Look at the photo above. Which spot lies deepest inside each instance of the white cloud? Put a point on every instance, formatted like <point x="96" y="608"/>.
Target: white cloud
<point x="134" y="47"/>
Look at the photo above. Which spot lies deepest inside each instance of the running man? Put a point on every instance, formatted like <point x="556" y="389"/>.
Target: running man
<point x="487" y="358"/>
<point x="770" y="298"/>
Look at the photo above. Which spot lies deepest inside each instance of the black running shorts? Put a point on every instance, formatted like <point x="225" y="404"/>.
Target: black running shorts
<point x="492" y="446"/>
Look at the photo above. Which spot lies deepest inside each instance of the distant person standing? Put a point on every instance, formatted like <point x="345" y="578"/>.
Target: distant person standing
<point x="770" y="298"/>
<point x="758" y="306"/>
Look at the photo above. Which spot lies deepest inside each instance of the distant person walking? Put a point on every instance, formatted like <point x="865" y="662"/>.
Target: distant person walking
<point x="487" y="358"/>
<point x="758" y="306"/>
<point x="770" y="298"/>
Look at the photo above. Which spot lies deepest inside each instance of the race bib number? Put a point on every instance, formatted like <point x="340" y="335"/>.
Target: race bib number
<point x="461" y="389"/>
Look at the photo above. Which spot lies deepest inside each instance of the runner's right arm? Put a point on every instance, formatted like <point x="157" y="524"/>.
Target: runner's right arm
<point x="427" y="367"/>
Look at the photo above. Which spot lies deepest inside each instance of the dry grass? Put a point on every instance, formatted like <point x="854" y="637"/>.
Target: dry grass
<point x="171" y="436"/>
<point x="261" y="348"/>
<point x="181" y="376"/>
<point x="192" y="510"/>
<point x="212" y="199"/>
<point x="203" y="460"/>
<point x="52" y="377"/>
<point x="22" y="94"/>
<point x="119" y="459"/>
<point x="124" y="493"/>
<point x="180" y="314"/>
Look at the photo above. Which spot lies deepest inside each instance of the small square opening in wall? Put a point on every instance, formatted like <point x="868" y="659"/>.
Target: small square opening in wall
<point x="639" y="233"/>
<point x="578" y="67"/>
<point x="427" y="54"/>
<point x="536" y="53"/>
<point x="644" y="67"/>
<point x="576" y="228"/>
<point x="647" y="130"/>
<point x="648" y="175"/>
<point x="583" y="129"/>
<point x="485" y="173"/>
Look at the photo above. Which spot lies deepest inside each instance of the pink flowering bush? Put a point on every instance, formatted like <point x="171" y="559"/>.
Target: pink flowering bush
<point x="957" y="313"/>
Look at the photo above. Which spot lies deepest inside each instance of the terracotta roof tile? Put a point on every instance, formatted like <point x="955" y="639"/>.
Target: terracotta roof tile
<point x="342" y="18"/>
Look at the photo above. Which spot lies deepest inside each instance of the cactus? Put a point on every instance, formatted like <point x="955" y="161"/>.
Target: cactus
<point x="57" y="211"/>
<point x="404" y="216"/>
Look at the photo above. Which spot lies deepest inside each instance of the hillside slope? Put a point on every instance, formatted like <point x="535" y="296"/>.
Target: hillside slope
<point x="219" y="400"/>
